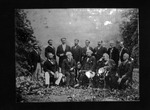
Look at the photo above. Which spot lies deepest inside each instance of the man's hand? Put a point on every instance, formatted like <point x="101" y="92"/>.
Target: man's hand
<point x="71" y="69"/>
<point x="62" y="54"/>
<point x="51" y="72"/>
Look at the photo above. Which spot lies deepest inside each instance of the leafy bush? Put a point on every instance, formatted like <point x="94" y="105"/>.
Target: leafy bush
<point x="23" y="42"/>
<point x="129" y="31"/>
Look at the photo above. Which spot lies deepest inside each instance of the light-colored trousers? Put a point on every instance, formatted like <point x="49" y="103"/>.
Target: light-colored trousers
<point x="58" y="76"/>
<point x="37" y="72"/>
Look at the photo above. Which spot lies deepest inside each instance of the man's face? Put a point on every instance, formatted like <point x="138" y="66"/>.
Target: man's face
<point x="125" y="57"/>
<point x="76" y="42"/>
<point x="69" y="56"/>
<point x="112" y="44"/>
<point x="105" y="56"/>
<point x="121" y="44"/>
<point x="87" y="43"/>
<point x="50" y="42"/>
<point x="63" y="41"/>
<point x="50" y="55"/>
<point x="99" y="43"/>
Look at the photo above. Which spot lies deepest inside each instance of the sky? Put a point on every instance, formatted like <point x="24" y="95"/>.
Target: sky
<point x="92" y="24"/>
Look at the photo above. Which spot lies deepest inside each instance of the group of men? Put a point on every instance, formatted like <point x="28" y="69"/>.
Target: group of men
<point x="80" y="66"/>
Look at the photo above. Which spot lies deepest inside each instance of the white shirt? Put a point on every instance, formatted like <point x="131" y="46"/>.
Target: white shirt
<point x="88" y="48"/>
<point x="64" y="47"/>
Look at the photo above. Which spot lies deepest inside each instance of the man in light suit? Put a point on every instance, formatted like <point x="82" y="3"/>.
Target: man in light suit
<point x="61" y="51"/>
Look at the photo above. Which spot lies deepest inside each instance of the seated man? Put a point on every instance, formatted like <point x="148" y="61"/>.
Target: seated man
<point x="87" y="71"/>
<point x="51" y="71"/>
<point x="124" y="71"/>
<point x="68" y="69"/>
<point x="109" y="68"/>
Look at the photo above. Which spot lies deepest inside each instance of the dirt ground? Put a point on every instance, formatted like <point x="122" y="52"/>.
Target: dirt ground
<point x="61" y="94"/>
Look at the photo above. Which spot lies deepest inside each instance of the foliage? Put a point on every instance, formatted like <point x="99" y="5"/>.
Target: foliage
<point x="36" y="92"/>
<point x="129" y="30"/>
<point x="23" y="42"/>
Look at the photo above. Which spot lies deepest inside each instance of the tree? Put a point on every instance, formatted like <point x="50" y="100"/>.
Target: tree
<point x="130" y="33"/>
<point x="24" y="41"/>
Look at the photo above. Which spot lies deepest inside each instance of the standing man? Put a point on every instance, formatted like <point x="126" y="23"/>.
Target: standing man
<point x="68" y="69"/>
<point x="122" y="51"/>
<point x="99" y="50"/>
<point x="61" y="51"/>
<point x="87" y="47"/>
<point x="113" y="52"/>
<point x="35" y="61"/>
<point x="76" y="51"/>
<point x="50" y="48"/>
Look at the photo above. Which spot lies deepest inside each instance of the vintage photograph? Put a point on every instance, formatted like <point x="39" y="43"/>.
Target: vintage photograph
<point x="77" y="55"/>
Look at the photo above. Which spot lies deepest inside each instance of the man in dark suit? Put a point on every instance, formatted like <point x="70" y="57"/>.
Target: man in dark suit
<point x="99" y="50"/>
<point x="122" y="51"/>
<point x="51" y="71"/>
<point x="87" y="47"/>
<point x="124" y="71"/>
<point x="113" y="53"/>
<point x="50" y="48"/>
<point x="88" y="64"/>
<point x="61" y="51"/>
<point x="76" y="51"/>
<point x="68" y="69"/>
<point x="35" y="61"/>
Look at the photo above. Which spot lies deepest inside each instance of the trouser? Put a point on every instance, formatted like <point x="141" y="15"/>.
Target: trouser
<point x="122" y="84"/>
<point x="58" y="77"/>
<point x="70" y="78"/>
<point x="83" y="80"/>
<point x="37" y="72"/>
<point x="111" y="81"/>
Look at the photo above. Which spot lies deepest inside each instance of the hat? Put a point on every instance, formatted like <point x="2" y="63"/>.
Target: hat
<point x="68" y="53"/>
<point x="89" y="51"/>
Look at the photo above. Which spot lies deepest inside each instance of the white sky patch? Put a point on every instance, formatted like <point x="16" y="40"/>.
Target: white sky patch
<point x="107" y="22"/>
